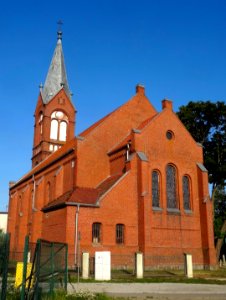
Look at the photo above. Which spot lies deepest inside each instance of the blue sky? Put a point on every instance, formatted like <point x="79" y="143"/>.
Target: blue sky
<point x="177" y="49"/>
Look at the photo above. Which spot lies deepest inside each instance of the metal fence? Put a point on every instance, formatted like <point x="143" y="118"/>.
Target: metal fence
<point x="4" y="259"/>
<point x="49" y="270"/>
<point x="36" y="272"/>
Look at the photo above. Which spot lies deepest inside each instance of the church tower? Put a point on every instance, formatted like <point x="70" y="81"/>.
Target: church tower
<point x="54" y="113"/>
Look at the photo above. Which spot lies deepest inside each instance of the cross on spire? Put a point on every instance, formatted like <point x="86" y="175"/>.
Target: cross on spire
<point x="59" y="31"/>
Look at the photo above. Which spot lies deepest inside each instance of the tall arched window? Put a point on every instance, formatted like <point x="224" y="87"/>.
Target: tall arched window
<point x="58" y="129"/>
<point x="171" y="187"/>
<point x="186" y="193"/>
<point x="63" y="131"/>
<point x="40" y="121"/>
<point x="48" y="192"/>
<point x="155" y="189"/>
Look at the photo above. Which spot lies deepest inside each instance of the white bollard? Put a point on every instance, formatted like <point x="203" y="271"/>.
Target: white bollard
<point x="188" y="267"/>
<point x="223" y="257"/>
<point x="139" y="265"/>
<point x="85" y="265"/>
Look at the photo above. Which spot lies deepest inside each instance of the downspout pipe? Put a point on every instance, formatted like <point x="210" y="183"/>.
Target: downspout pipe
<point x="76" y="234"/>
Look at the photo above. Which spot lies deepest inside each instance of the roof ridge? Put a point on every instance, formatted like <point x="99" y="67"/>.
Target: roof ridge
<point x="100" y="121"/>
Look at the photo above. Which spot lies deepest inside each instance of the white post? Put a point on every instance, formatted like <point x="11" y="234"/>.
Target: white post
<point x="223" y="257"/>
<point x="139" y="265"/>
<point x="188" y="267"/>
<point x="85" y="265"/>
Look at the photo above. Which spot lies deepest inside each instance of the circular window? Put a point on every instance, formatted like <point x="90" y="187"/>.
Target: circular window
<point x="169" y="135"/>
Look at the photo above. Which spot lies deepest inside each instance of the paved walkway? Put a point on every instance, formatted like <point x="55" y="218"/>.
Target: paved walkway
<point x="154" y="290"/>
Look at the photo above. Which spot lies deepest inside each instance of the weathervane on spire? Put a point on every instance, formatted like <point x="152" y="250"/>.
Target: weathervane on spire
<point x="59" y="31"/>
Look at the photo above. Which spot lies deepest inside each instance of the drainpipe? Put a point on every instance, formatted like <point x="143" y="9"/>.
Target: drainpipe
<point x="33" y="196"/>
<point x="76" y="234"/>
<point x="128" y="150"/>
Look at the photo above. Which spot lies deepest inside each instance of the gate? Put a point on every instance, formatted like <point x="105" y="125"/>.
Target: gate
<point x="49" y="269"/>
<point x="4" y="260"/>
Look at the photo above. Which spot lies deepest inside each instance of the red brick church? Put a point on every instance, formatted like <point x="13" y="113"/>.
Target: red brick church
<point x="132" y="182"/>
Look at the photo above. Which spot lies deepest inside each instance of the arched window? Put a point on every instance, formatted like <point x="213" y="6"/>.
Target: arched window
<point x="40" y="121"/>
<point x="58" y="129"/>
<point x="48" y="192"/>
<point x="32" y="199"/>
<point x="120" y="231"/>
<point x="54" y="129"/>
<point x="63" y="131"/>
<point x="171" y="187"/>
<point x="186" y="193"/>
<point x="20" y="208"/>
<point x="155" y="189"/>
<point x="96" y="233"/>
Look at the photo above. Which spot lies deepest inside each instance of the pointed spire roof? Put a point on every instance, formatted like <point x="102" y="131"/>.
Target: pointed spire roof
<point x="57" y="77"/>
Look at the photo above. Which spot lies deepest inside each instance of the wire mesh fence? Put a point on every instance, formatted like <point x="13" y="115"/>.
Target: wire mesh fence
<point x="49" y="269"/>
<point x="4" y="258"/>
<point x="39" y="270"/>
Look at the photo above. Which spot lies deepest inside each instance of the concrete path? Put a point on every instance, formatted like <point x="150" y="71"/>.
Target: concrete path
<point x="154" y="290"/>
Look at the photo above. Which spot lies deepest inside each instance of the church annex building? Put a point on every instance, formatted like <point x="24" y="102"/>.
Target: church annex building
<point x="132" y="182"/>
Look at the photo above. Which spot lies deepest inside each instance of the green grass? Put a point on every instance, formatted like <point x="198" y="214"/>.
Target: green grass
<point x="158" y="276"/>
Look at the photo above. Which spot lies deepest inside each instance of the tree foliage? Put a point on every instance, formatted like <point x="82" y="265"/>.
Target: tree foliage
<point x="220" y="211"/>
<point x="206" y="121"/>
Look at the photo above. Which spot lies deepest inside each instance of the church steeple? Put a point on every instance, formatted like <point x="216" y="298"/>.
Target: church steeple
<point x="55" y="113"/>
<point x="56" y="78"/>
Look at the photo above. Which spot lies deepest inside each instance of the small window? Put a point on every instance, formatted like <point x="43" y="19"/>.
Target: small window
<point x="120" y="233"/>
<point x="155" y="189"/>
<point x="96" y="233"/>
<point x="186" y="193"/>
<point x="169" y="135"/>
<point x="40" y="121"/>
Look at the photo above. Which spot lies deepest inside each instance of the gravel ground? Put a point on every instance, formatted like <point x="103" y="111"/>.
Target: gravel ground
<point x="155" y="291"/>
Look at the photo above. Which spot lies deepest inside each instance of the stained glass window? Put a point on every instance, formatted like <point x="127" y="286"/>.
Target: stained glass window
<point x="186" y="193"/>
<point x="171" y="187"/>
<point x="155" y="189"/>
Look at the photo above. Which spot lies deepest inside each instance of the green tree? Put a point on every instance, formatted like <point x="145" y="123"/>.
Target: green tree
<point x="206" y="121"/>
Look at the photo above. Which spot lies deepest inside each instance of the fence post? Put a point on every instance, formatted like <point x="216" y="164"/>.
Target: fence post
<point x="66" y="268"/>
<point x="26" y="245"/>
<point x="37" y="269"/>
<point x="139" y="265"/>
<point x="52" y="270"/>
<point x="6" y="244"/>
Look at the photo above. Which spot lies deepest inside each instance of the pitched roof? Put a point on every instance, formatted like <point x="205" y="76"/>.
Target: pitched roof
<point x="145" y="122"/>
<point x="57" y="155"/>
<point x="56" y="77"/>
<point x="82" y="195"/>
<point x="89" y="129"/>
